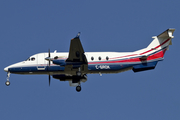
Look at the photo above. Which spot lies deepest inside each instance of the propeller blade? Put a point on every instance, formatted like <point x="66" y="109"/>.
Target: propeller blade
<point x="49" y="53"/>
<point x="49" y="80"/>
<point x="49" y="57"/>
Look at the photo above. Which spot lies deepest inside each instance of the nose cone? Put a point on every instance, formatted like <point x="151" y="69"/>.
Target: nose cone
<point x="6" y="69"/>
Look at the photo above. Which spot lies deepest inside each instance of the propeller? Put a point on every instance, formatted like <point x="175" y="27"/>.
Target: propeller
<point x="49" y="59"/>
<point x="49" y="63"/>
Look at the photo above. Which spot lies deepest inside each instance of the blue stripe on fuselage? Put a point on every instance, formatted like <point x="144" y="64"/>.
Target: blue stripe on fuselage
<point x="35" y="69"/>
<point x="104" y="67"/>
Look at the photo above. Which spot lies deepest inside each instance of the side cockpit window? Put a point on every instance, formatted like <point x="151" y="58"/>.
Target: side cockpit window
<point x="32" y="59"/>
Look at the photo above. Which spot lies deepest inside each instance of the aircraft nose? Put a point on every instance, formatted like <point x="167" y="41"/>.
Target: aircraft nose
<point x="6" y="69"/>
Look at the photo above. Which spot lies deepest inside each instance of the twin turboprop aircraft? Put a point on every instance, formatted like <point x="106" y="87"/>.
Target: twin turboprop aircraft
<point x="75" y="65"/>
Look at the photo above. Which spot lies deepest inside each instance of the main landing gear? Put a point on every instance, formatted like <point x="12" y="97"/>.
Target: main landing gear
<point x="78" y="73"/>
<point x="7" y="82"/>
<point x="78" y="88"/>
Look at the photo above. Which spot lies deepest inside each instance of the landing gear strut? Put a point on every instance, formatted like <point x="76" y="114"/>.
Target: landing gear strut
<point x="78" y="73"/>
<point x="78" y="88"/>
<point x="7" y="82"/>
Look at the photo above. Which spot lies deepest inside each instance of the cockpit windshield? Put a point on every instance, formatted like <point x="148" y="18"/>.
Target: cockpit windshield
<point x="27" y="59"/>
<point x="30" y="59"/>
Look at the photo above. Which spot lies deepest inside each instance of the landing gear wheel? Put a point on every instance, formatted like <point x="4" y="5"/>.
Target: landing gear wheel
<point x="7" y="83"/>
<point x="78" y="88"/>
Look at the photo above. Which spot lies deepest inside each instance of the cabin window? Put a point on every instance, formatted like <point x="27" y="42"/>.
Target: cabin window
<point x="107" y="58"/>
<point x="99" y="58"/>
<point x="92" y="58"/>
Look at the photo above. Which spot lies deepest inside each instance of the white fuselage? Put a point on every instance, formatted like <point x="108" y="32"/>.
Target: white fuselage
<point x="101" y="61"/>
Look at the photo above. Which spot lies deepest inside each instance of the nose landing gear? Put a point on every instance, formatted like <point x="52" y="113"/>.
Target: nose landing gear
<point x="7" y="82"/>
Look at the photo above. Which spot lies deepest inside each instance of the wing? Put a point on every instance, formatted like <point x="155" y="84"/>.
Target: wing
<point x="76" y="51"/>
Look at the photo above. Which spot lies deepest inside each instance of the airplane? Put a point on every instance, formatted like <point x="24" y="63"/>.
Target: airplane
<point x="73" y="66"/>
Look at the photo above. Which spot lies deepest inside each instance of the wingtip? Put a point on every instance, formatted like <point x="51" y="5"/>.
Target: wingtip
<point x="77" y="36"/>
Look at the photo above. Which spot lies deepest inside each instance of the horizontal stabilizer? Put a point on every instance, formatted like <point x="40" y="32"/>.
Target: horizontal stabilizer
<point x="161" y="41"/>
<point x="143" y="57"/>
<point x="167" y="33"/>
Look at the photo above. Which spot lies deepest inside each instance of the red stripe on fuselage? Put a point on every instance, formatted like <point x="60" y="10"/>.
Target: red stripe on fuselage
<point x="143" y="52"/>
<point x="156" y="47"/>
<point x="157" y="55"/>
<point x="124" y="56"/>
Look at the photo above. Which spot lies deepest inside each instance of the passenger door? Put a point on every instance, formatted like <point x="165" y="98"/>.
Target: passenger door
<point x="41" y="65"/>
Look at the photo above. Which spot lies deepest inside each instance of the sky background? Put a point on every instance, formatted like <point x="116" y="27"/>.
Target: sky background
<point x="30" y="27"/>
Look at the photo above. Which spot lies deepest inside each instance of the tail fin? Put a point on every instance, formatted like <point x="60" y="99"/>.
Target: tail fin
<point x="155" y="51"/>
<point x="160" y="43"/>
<point x="162" y="40"/>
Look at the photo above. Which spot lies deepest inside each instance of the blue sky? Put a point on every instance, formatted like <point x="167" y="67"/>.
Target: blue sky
<point x="30" y="27"/>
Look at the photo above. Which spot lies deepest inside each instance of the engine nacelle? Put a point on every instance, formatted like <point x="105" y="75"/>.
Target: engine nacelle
<point x="59" y="62"/>
<point x="64" y="62"/>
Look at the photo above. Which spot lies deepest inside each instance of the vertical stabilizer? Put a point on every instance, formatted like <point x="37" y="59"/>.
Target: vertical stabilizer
<point x="162" y="40"/>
